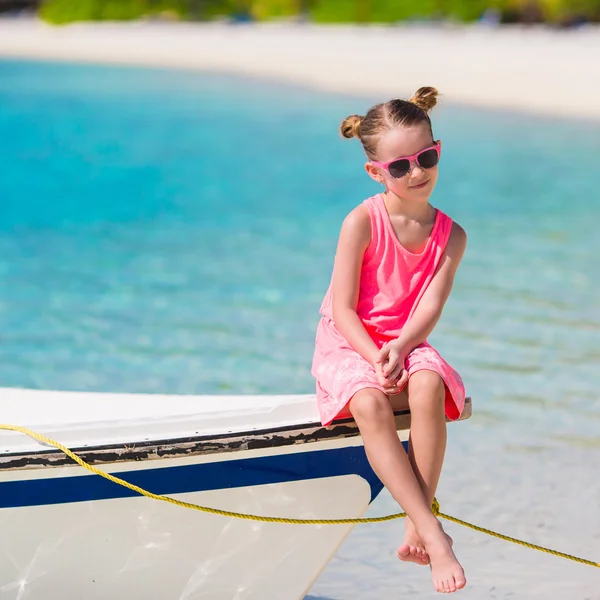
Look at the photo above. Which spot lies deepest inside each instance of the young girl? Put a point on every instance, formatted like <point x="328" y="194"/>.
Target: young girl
<point x="395" y="264"/>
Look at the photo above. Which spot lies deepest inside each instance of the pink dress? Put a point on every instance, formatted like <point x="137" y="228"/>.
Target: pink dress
<point x="391" y="284"/>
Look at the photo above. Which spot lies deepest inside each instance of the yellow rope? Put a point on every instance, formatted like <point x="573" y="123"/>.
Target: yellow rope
<point x="225" y="513"/>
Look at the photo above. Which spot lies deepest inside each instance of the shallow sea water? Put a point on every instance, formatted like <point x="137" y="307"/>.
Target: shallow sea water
<point x="174" y="232"/>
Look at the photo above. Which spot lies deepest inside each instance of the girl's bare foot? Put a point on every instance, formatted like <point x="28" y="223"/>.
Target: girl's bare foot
<point x="447" y="574"/>
<point x="413" y="549"/>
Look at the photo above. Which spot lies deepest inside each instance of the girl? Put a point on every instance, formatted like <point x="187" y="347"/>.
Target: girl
<point x="395" y="264"/>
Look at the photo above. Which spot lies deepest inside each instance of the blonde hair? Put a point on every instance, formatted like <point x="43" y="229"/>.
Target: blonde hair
<point x="388" y="116"/>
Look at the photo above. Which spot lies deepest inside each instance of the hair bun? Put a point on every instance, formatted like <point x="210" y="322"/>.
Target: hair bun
<point x="351" y="126"/>
<point x="425" y="98"/>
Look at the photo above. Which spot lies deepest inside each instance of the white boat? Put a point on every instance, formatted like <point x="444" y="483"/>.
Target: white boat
<point x="70" y="535"/>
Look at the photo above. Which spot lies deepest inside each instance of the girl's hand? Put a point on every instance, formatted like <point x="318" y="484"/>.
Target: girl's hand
<point x="391" y="387"/>
<point x="389" y="367"/>
<point x="391" y="360"/>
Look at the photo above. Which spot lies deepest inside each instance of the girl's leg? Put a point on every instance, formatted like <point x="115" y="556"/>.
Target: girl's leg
<point x="427" y="446"/>
<point x="373" y="413"/>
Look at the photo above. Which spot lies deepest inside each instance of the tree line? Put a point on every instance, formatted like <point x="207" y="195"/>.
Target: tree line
<point x="560" y="12"/>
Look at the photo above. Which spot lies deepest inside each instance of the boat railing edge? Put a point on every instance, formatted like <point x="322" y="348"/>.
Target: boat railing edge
<point x="201" y="445"/>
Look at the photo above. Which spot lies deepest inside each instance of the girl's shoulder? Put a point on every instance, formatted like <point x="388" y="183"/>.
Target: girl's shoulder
<point x="455" y="230"/>
<point x="360" y="216"/>
<point x="458" y="235"/>
<point x="358" y="223"/>
<point x="456" y="238"/>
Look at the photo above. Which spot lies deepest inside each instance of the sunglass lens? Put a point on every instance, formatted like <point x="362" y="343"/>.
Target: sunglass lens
<point x="428" y="159"/>
<point x="399" y="168"/>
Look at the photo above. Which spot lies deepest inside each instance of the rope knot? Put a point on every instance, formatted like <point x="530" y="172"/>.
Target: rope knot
<point x="435" y="507"/>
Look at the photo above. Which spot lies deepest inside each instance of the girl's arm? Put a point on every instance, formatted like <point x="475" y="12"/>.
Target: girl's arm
<point x="354" y="239"/>
<point x="430" y="307"/>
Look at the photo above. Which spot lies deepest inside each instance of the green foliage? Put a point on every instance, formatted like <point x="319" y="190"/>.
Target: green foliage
<point x="66" y="11"/>
<point x="269" y="9"/>
<point x="342" y="11"/>
<point x="557" y="10"/>
<point x="209" y="9"/>
<point x="467" y="10"/>
<point x="554" y="11"/>
<point x="320" y="11"/>
<point x="391" y="11"/>
<point x="366" y="11"/>
<point x="388" y="11"/>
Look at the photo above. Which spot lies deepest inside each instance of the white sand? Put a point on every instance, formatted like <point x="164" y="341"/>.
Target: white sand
<point x="549" y="72"/>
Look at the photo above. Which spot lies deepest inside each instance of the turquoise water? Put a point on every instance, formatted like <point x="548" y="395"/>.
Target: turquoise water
<point x="174" y="232"/>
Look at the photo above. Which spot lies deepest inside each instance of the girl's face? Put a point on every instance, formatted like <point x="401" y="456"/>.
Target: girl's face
<point x="419" y="181"/>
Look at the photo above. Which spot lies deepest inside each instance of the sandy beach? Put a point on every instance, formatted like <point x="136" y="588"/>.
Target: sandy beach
<point x="538" y="70"/>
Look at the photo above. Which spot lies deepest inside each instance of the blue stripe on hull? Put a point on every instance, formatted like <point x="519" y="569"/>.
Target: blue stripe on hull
<point x="262" y="470"/>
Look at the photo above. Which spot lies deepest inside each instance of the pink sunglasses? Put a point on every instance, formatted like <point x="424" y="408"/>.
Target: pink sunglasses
<point x="400" y="167"/>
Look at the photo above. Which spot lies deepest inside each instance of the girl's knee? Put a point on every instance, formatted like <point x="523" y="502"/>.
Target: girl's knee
<point x="426" y="388"/>
<point x="370" y="406"/>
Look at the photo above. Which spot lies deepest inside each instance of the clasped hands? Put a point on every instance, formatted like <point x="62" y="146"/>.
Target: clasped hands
<point x="389" y="367"/>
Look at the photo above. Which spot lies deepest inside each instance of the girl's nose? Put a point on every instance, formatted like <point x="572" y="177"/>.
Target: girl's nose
<point x="415" y="169"/>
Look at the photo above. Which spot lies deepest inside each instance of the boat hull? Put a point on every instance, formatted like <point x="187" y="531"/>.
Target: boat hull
<point x="71" y="535"/>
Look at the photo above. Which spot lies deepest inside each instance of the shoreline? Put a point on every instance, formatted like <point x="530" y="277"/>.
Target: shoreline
<point x="532" y="70"/>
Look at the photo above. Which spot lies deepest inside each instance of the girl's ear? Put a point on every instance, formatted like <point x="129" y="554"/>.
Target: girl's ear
<point x="374" y="173"/>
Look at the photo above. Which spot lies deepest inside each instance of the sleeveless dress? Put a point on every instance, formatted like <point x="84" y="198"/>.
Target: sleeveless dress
<point x="392" y="282"/>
